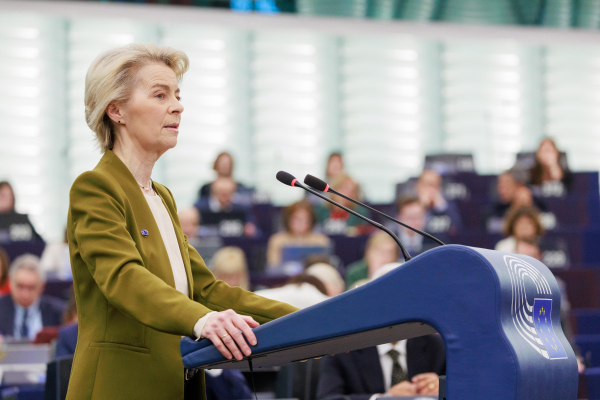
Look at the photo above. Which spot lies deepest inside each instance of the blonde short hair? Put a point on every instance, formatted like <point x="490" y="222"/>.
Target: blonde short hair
<point x="231" y="260"/>
<point x="112" y="76"/>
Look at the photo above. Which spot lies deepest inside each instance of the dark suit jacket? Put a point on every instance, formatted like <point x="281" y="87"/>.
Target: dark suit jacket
<point x="357" y="375"/>
<point x="51" y="308"/>
<point x="67" y="341"/>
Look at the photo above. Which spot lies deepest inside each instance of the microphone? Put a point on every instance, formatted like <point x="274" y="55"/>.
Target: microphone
<point x="289" y="179"/>
<point x="322" y="186"/>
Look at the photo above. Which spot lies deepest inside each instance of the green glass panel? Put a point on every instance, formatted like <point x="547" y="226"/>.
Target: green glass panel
<point x="588" y="15"/>
<point x="419" y="10"/>
<point x="495" y="12"/>
<point x="558" y="13"/>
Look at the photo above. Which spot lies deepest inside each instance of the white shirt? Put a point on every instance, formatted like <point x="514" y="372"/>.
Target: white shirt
<point x="301" y="296"/>
<point x="167" y="232"/>
<point x="34" y="321"/>
<point x="387" y="363"/>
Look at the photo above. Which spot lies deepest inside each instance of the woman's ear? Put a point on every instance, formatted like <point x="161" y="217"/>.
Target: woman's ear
<point x="115" y="113"/>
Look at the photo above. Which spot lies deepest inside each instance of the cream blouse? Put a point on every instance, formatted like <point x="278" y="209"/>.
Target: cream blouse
<point x="167" y="232"/>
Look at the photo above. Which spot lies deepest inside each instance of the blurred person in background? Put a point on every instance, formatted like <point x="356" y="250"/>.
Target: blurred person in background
<point x="331" y="278"/>
<point x="521" y="224"/>
<point x="56" y="261"/>
<point x="14" y="227"/>
<point x="7" y="198"/>
<point x="299" y="221"/>
<point x="67" y="334"/>
<point x="229" y="265"/>
<point x="442" y="215"/>
<point x="220" y="206"/>
<point x="405" y="368"/>
<point x="4" y="268"/>
<point x="223" y="167"/>
<point x="412" y="212"/>
<point x="26" y="311"/>
<point x="190" y="221"/>
<point x="547" y="167"/>
<point x="336" y="221"/>
<point x="335" y="166"/>
<point x="302" y="291"/>
<point x="381" y="249"/>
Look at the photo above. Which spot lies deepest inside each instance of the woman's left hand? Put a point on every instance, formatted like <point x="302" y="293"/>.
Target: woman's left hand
<point x="226" y="329"/>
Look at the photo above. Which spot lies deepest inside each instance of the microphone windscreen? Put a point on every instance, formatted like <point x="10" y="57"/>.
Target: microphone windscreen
<point x="285" y="178"/>
<point x="316" y="183"/>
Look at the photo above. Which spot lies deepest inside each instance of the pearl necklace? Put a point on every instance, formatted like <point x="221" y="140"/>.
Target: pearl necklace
<point x="146" y="188"/>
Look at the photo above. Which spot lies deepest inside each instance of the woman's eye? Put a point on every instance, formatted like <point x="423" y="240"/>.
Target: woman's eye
<point x="178" y="98"/>
<point x="160" y="96"/>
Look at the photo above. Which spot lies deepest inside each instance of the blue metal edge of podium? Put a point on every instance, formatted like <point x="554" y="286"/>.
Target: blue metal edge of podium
<point x="498" y="313"/>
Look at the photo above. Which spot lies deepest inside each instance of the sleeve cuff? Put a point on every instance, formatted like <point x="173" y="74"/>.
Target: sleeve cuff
<point x="200" y="325"/>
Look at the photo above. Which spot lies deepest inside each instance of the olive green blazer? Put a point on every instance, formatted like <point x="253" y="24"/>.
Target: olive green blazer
<point x="131" y="318"/>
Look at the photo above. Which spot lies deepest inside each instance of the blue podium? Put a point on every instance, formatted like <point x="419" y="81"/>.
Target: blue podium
<point x="497" y="312"/>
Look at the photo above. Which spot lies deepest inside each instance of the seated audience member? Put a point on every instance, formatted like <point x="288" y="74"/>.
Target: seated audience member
<point x="207" y="245"/>
<point x="10" y="219"/>
<point x="220" y="206"/>
<point x="412" y="212"/>
<point x="381" y="249"/>
<point x="4" y="266"/>
<point x="301" y="291"/>
<point x="229" y="265"/>
<point x="190" y="221"/>
<point x="26" y="311"/>
<point x="521" y="224"/>
<point x="547" y="166"/>
<point x="335" y="166"/>
<point x="67" y="334"/>
<point x="56" y="261"/>
<point x="336" y="221"/>
<point x="331" y="278"/>
<point x="406" y="368"/>
<point x="223" y="166"/>
<point x="442" y="215"/>
<point x="226" y="384"/>
<point x="299" y="221"/>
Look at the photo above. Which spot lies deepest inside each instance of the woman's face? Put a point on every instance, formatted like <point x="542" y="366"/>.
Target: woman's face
<point x="224" y="165"/>
<point x="381" y="254"/>
<point x="348" y="188"/>
<point x="524" y="228"/>
<point x="7" y="200"/>
<point x="150" y="119"/>
<point x="335" y="166"/>
<point x="300" y="222"/>
<point x="547" y="153"/>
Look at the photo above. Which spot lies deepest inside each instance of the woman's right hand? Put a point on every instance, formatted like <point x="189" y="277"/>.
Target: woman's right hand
<point x="226" y="329"/>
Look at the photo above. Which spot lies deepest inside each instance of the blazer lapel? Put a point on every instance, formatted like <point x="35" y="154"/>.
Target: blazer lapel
<point x="142" y="212"/>
<point x="367" y="361"/>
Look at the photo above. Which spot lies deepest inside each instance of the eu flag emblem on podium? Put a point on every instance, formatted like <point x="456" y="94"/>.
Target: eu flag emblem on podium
<point x="542" y="310"/>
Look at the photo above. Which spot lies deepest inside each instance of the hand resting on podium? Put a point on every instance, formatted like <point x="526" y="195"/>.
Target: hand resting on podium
<point x="226" y="330"/>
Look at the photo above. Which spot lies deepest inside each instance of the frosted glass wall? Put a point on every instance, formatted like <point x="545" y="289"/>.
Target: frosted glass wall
<point x="294" y="107"/>
<point x="492" y="103"/>
<point x="572" y="97"/>
<point x="87" y="38"/>
<point x="34" y="118"/>
<point x="215" y="95"/>
<point x="390" y="109"/>
<point x="285" y="98"/>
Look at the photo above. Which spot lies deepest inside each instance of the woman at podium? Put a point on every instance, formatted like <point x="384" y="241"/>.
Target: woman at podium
<point x="139" y="285"/>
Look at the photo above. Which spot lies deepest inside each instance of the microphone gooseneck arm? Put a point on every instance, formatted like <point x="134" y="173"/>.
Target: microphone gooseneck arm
<point x="378" y="225"/>
<point x="420" y="232"/>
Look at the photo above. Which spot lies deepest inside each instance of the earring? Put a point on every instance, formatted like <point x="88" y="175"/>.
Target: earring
<point x="119" y="121"/>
